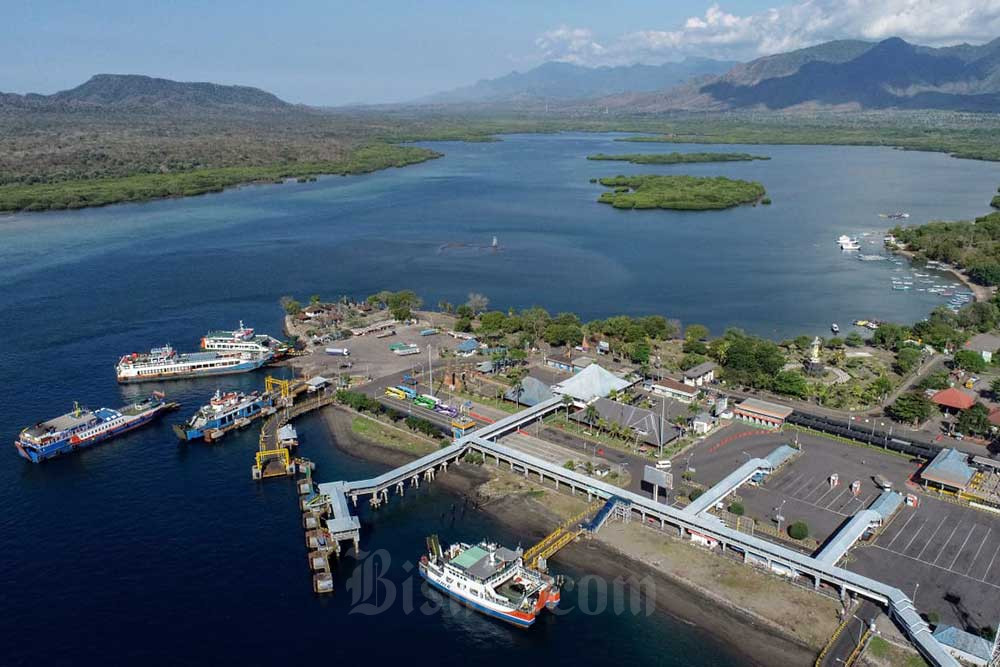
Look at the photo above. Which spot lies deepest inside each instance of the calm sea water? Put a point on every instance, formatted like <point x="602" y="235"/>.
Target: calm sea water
<point x="144" y="551"/>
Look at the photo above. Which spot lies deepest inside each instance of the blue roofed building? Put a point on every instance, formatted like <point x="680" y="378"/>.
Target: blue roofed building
<point x="965" y="646"/>
<point x="533" y="391"/>
<point x="467" y="348"/>
<point x="949" y="470"/>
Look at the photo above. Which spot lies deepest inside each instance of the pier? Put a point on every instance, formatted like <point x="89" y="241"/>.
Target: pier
<point x="332" y="501"/>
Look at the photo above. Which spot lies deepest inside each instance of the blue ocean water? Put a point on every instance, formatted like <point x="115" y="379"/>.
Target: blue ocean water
<point x="146" y="551"/>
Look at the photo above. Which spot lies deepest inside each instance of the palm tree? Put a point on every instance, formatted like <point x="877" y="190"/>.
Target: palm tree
<point x="590" y="414"/>
<point x="567" y="402"/>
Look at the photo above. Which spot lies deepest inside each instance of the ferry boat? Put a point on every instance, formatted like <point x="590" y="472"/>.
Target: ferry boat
<point x="165" y="363"/>
<point x="82" y="428"/>
<point x="223" y="411"/>
<point x="242" y="339"/>
<point x="490" y="579"/>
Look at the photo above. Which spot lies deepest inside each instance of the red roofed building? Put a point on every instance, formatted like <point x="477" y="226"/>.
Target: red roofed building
<point x="995" y="416"/>
<point x="954" y="399"/>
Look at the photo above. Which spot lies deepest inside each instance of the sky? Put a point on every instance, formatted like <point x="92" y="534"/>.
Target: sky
<point x="330" y="52"/>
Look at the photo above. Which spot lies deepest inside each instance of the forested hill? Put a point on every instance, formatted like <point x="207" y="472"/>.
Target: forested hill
<point x="125" y="91"/>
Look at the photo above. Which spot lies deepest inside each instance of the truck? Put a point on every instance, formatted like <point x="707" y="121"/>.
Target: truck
<point x="409" y="380"/>
<point x="338" y="351"/>
<point x="429" y="332"/>
<point x="882" y="483"/>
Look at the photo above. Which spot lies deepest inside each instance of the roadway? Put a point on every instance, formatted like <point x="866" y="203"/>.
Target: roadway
<point x="844" y="644"/>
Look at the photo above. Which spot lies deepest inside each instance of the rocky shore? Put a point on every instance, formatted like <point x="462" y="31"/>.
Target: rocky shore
<point x="684" y="593"/>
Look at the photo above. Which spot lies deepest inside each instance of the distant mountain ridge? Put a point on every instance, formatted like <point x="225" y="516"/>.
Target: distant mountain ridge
<point x="566" y="81"/>
<point x="843" y="74"/>
<point x="133" y="90"/>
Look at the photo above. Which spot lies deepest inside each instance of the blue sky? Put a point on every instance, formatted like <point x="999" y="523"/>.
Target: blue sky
<point x="332" y="52"/>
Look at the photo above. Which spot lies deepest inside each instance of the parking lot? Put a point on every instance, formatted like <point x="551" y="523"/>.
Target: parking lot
<point x="945" y="555"/>
<point x="951" y="550"/>
<point x="800" y="490"/>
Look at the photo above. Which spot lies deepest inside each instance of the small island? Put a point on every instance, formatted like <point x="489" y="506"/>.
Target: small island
<point x="686" y="193"/>
<point x="678" y="158"/>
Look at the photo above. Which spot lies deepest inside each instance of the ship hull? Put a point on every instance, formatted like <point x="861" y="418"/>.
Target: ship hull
<point x="518" y="619"/>
<point x="68" y="445"/>
<point x="189" y="432"/>
<point x="185" y="374"/>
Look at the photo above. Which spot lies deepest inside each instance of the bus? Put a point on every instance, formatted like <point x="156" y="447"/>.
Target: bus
<point x="393" y="392"/>
<point x="409" y="393"/>
<point x="426" y="401"/>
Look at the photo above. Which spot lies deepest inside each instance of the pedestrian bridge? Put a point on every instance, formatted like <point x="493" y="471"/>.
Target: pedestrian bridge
<point x="685" y="521"/>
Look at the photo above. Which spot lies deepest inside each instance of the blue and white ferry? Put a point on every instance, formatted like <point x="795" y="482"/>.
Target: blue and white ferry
<point x="82" y="428"/>
<point x="224" y="411"/>
<point x="165" y="363"/>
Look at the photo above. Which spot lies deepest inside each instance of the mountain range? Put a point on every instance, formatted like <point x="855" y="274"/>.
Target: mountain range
<point x="566" y="81"/>
<point x="844" y="74"/>
<point x="132" y="91"/>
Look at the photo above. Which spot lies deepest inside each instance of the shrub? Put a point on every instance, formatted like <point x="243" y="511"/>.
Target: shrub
<point x="798" y="530"/>
<point x="694" y="494"/>
<point x="736" y="508"/>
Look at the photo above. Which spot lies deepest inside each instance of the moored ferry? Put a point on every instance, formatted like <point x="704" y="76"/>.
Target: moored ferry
<point x="490" y="579"/>
<point x="242" y="339"/>
<point x="165" y="363"/>
<point x="224" y="411"/>
<point x="82" y="428"/>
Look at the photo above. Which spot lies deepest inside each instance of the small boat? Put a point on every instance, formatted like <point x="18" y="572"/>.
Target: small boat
<point x="834" y="328"/>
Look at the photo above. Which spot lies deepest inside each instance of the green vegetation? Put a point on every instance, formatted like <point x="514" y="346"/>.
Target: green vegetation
<point x="388" y="436"/>
<point x="694" y="494"/>
<point x="400" y="304"/>
<point x="971" y="246"/>
<point x="736" y="508"/>
<point x="911" y="408"/>
<point x="974" y="421"/>
<point x="971" y="361"/>
<point x="677" y="158"/>
<point x="140" y="187"/>
<point x="798" y="530"/>
<point x="689" y="193"/>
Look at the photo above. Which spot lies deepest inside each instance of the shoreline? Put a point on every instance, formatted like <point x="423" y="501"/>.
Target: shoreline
<point x="759" y="640"/>
<point x="979" y="292"/>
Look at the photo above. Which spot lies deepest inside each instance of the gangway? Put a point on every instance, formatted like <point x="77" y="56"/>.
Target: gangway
<point x="566" y="532"/>
<point x="605" y="513"/>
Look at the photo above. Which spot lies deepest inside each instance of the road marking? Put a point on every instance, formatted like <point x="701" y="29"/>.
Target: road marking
<point x="928" y="563"/>
<point x="786" y="480"/>
<point x="914" y="536"/>
<point x="962" y="548"/>
<point x="927" y="543"/>
<point x="819" y="487"/>
<point x="981" y="544"/>
<point x="799" y="489"/>
<point x="839" y="496"/>
<point x="828" y="492"/>
<point x="947" y="542"/>
<point x="990" y="566"/>
<point x="896" y="536"/>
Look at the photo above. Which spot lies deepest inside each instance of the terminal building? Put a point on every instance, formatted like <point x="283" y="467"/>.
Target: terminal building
<point x="762" y="413"/>
<point x="948" y="471"/>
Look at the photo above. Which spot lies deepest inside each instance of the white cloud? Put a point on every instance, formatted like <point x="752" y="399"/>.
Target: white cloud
<point x="721" y="34"/>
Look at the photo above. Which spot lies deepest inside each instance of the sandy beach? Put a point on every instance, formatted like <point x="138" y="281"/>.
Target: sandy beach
<point x="680" y="589"/>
